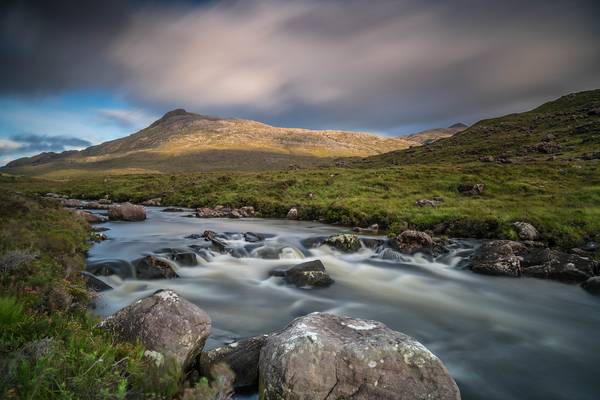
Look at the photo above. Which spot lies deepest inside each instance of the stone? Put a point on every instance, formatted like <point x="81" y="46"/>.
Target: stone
<point x="292" y="213"/>
<point x="499" y="257"/>
<point x="152" y="202"/>
<point x="345" y="242"/>
<point x="127" y="212"/>
<point x="370" y="229"/>
<point x="411" y="241"/>
<point x="216" y="240"/>
<point x="152" y="267"/>
<point x="526" y="231"/>
<point x="305" y="275"/>
<point x="241" y="356"/>
<point x="182" y="257"/>
<point x="470" y="189"/>
<point x="165" y="323"/>
<point x="487" y="159"/>
<point x="252" y="237"/>
<point x="323" y="356"/>
<point x="428" y="203"/>
<point x="553" y="264"/>
<point x="121" y="268"/>
<point x="91" y="218"/>
<point x="592" y="285"/>
<point x="93" y="283"/>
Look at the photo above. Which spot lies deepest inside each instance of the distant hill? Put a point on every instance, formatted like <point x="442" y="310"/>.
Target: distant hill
<point x="563" y="129"/>
<point x="431" y="135"/>
<point x="184" y="141"/>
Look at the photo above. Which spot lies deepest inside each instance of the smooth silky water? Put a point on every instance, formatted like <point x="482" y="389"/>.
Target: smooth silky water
<point x="500" y="338"/>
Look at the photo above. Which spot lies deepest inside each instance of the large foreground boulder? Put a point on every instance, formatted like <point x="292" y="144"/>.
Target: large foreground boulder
<point x="323" y="356"/>
<point x="241" y="356"/>
<point x="127" y="212"/>
<point x="165" y="323"/>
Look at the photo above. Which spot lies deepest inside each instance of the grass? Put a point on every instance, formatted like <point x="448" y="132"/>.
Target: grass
<point x="560" y="198"/>
<point x="49" y="346"/>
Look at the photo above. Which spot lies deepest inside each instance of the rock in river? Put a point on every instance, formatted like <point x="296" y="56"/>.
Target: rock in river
<point x="498" y="257"/>
<point x="592" y="285"/>
<point x="165" y="323"/>
<point x="307" y="274"/>
<point x="120" y="268"/>
<point x="152" y="267"/>
<point x="410" y="242"/>
<point x="344" y="242"/>
<point x="241" y="356"/>
<point x="323" y="356"/>
<point x="127" y="212"/>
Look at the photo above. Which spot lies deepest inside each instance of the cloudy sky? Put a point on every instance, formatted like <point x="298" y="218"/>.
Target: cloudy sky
<point x="74" y="73"/>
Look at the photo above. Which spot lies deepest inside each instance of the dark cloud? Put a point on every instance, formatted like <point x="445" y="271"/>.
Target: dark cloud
<point x="31" y="143"/>
<point x="378" y="65"/>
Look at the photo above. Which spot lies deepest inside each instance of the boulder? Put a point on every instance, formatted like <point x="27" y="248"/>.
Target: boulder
<point x="323" y="356"/>
<point x="592" y="285"/>
<point x="499" y="257"/>
<point x="72" y="203"/>
<point x="411" y="241"/>
<point x="96" y="205"/>
<point x="292" y="213"/>
<point x="182" y="257"/>
<point x="93" y="283"/>
<point x="471" y="190"/>
<point x="526" y="231"/>
<point x="246" y="211"/>
<point x="371" y="229"/>
<point x="165" y="323"/>
<point x="553" y="264"/>
<point x="429" y="202"/>
<point x="152" y="267"/>
<point x="225" y="212"/>
<point x="216" y="240"/>
<point x="252" y="237"/>
<point x="127" y="212"/>
<point x="305" y="275"/>
<point x="91" y="218"/>
<point x="152" y="202"/>
<point x="121" y="268"/>
<point x="241" y="356"/>
<point x="344" y="242"/>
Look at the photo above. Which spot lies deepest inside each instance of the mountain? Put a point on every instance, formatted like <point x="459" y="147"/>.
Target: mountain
<point x="564" y="129"/>
<point x="184" y="141"/>
<point x="431" y="135"/>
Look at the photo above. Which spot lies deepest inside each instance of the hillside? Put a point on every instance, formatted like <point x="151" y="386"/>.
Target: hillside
<point x="565" y="129"/>
<point x="184" y="141"/>
<point x="431" y="135"/>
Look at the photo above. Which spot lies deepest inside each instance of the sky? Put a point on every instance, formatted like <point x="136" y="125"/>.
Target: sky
<point x="75" y="73"/>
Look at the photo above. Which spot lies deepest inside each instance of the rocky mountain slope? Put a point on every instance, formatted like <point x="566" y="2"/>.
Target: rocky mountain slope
<point x="184" y="141"/>
<point x="564" y="129"/>
<point x="431" y="135"/>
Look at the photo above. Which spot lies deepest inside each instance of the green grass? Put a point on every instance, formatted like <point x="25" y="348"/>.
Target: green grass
<point x="562" y="199"/>
<point x="49" y="346"/>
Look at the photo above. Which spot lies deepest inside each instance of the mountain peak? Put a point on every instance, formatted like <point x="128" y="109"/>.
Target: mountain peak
<point x="458" y="125"/>
<point x="175" y="112"/>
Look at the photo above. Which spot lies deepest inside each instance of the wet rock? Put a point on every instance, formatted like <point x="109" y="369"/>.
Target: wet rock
<point x="121" y="268"/>
<point x="526" y="231"/>
<point x="182" y="257"/>
<point x="225" y="212"/>
<point x="194" y="236"/>
<point x="91" y="218"/>
<point x="499" y="257"/>
<point x="344" y="242"/>
<point x="371" y="243"/>
<point x="411" y="241"/>
<point x="217" y="241"/>
<point x="241" y="356"/>
<point x="165" y="323"/>
<point x="152" y="202"/>
<point x="127" y="212"/>
<point x="292" y="213"/>
<point x="592" y="285"/>
<point x="152" y="267"/>
<point x="93" y="283"/>
<point x="552" y="264"/>
<point x="305" y="275"/>
<point x="252" y="237"/>
<point x="590" y="247"/>
<point x="105" y="200"/>
<point x="323" y="356"/>
<point x="471" y="190"/>
<point x="173" y="209"/>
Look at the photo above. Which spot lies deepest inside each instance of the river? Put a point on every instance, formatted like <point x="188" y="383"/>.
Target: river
<point x="500" y="338"/>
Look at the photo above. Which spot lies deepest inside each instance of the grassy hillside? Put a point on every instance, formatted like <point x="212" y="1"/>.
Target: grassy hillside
<point x="563" y="129"/>
<point x="562" y="199"/>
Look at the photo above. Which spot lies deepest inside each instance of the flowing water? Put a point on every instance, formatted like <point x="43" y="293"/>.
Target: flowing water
<point x="500" y="338"/>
